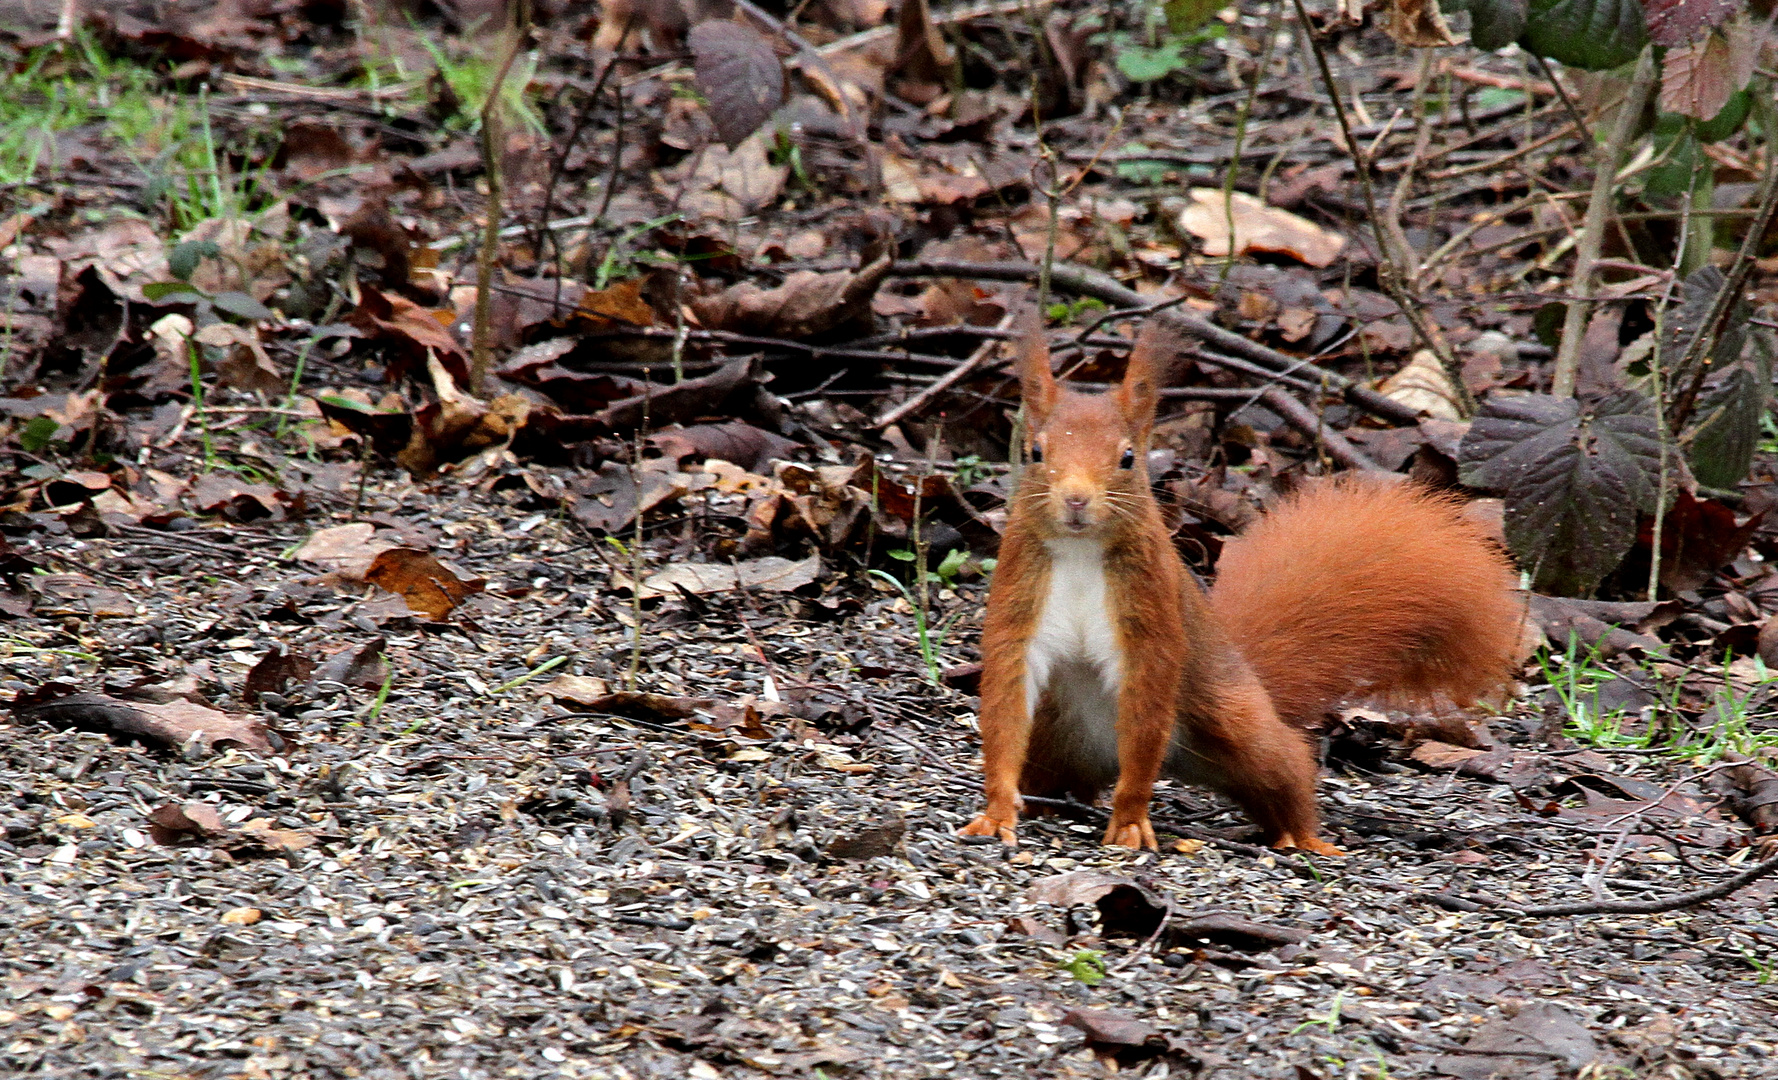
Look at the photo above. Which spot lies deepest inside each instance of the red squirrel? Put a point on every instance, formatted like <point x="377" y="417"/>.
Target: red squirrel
<point x="1104" y="664"/>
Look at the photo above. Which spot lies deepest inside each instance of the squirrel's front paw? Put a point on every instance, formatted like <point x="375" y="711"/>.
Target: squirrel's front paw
<point x="1131" y="834"/>
<point x="987" y="825"/>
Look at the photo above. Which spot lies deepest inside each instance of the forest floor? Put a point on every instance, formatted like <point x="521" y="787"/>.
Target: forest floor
<point x="362" y="726"/>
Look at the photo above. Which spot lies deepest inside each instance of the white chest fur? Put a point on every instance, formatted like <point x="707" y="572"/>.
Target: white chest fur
<point x="1074" y="654"/>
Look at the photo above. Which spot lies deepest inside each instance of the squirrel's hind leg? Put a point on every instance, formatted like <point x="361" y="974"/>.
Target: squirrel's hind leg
<point x="1245" y="751"/>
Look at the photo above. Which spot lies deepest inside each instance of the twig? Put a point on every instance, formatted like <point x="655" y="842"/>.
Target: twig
<point x="983" y="352"/>
<point x="1298" y="416"/>
<point x="1388" y="271"/>
<point x="1101" y="286"/>
<point x="481" y="357"/>
<point x="1694" y="364"/>
<point x="1592" y="233"/>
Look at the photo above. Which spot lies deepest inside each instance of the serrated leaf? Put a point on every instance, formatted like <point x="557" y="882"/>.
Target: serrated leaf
<point x="1726" y="434"/>
<point x="156" y="291"/>
<point x="1574" y="481"/>
<point x="1681" y="324"/>
<point x="1672" y="23"/>
<point x="183" y="260"/>
<point x="1593" y="34"/>
<point x="739" y="74"/>
<point x="1495" y="24"/>
<point x="240" y="305"/>
<point x="1697" y="79"/>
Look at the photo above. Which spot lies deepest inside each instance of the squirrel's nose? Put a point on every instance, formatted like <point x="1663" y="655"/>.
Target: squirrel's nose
<point x="1076" y="502"/>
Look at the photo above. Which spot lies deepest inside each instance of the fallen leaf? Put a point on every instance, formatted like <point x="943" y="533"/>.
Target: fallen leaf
<point x="172" y="722"/>
<point x="430" y="587"/>
<point x="770" y="574"/>
<point x="807" y="304"/>
<point x="1258" y="227"/>
<point x="241" y="916"/>
<point x="1424" y="387"/>
<point x="739" y="74"/>
<point x="347" y="550"/>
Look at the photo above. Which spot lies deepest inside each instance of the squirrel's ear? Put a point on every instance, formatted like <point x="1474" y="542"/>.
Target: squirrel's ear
<point x="1037" y="384"/>
<point x="1151" y="361"/>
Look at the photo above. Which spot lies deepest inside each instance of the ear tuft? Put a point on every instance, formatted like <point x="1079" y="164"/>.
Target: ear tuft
<point x="1037" y="384"/>
<point x="1151" y="364"/>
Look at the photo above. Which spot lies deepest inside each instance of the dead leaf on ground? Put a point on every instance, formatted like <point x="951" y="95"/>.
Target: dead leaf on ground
<point x="428" y="586"/>
<point x="278" y="668"/>
<point x="365" y="667"/>
<point x="739" y="74"/>
<point x="347" y="550"/>
<point x="172" y="722"/>
<point x="175" y="823"/>
<point x="1125" y="906"/>
<point x="868" y="842"/>
<point x="752" y="448"/>
<point x="770" y="574"/>
<point x="1423" y="386"/>
<point x="578" y="690"/>
<point x="77" y="594"/>
<point x="808" y="304"/>
<point x="1258" y="228"/>
<point x="408" y="333"/>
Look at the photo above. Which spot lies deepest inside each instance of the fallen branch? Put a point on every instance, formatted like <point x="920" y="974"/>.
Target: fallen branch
<point x="1101" y="286"/>
<point x="1299" y="416"/>
<point x="1453" y="902"/>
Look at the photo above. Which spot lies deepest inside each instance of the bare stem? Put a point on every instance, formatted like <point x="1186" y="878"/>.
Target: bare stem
<point x="1592" y="232"/>
<point x="481" y="356"/>
<point x="1388" y="273"/>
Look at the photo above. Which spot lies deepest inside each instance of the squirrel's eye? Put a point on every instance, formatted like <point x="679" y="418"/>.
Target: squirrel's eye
<point x="1036" y="453"/>
<point x="1128" y="461"/>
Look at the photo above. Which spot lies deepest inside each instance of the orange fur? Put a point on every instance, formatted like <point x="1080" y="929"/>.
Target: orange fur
<point x="1352" y="586"/>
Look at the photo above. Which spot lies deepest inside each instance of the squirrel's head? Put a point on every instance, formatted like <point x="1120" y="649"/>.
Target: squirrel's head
<point x="1088" y="453"/>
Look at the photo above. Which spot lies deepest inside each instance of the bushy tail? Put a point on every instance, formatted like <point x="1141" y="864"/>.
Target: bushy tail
<point x="1364" y="587"/>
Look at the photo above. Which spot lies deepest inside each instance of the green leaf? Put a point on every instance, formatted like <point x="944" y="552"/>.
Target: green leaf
<point x="183" y="260"/>
<point x="1682" y="324"/>
<point x="179" y="291"/>
<point x="1495" y="24"/>
<point x="355" y="406"/>
<point x="1727" y="121"/>
<point x="902" y="554"/>
<point x="38" y="433"/>
<point x="1087" y="966"/>
<point x="952" y="563"/>
<point x="1679" y="163"/>
<point x="1727" y="431"/>
<point x="240" y="305"/>
<point x="1593" y="34"/>
<point x="1574" y="481"/>
<point x="1184" y="16"/>
<point x="1147" y="65"/>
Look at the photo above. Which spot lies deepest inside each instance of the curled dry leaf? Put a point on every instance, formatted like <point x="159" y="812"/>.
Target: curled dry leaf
<point x="1423" y="385"/>
<point x="174" y="823"/>
<point x="365" y="667"/>
<point x="578" y="690"/>
<point x="1124" y="906"/>
<point x="1258" y="227"/>
<point x="1418" y="23"/>
<point x="429" y="587"/>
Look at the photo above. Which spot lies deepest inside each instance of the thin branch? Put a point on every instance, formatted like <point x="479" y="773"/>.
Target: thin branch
<point x="481" y="358"/>
<point x="1388" y="271"/>
<point x="1592" y="233"/>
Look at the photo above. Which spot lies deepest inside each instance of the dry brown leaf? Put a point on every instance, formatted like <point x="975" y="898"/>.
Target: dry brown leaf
<point x="347" y="550"/>
<point x="1258" y="227"/>
<point x="770" y="574"/>
<point x="578" y="690"/>
<point x="1418" y="24"/>
<point x="739" y="74"/>
<point x="1698" y="78"/>
<point x="428" y="586"/>
<point x="1423" y="385"/>
<point x="806" y="305"/>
